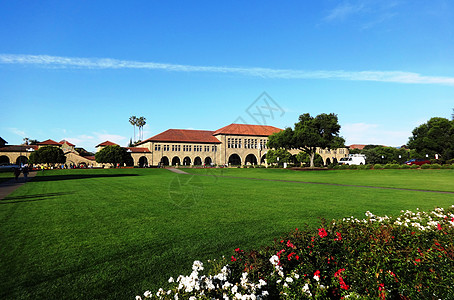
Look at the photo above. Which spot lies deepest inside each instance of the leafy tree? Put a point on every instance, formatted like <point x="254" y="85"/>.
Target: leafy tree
<point x="273" y="155"/>
<point x="113" y="155"/>
<point x="304" y="159"/>
<point x="47" y="155"/>
<point x="33" y="142"/>
<point x="434" y="137"/>
<point x="309" y="133"/>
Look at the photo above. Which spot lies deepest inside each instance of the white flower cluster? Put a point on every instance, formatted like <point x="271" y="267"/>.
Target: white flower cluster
<point x="419" y="220"/>
<point x="201" y="285"/>
<point x="274" y="260"/>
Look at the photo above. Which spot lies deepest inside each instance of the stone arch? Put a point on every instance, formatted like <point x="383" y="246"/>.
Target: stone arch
<point x="186" y="161"/>
<point x="21" y="160"/>
<point x="164" y="161"/>
<point x="4" y="160"/>
<point x="234" y="160"/>
<point x="208" y="161"/>
<point x="197" y="161"/>
<point x="263" y="159"/>
<point x="176" y="161"/>
<point x="328" y="161"/>
<point x="143" y="162"/>
<point x="251" y="159"/>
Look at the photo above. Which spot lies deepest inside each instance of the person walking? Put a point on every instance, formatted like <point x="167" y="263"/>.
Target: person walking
<point x="25" y="170"/>
<point x="16" y="173"/>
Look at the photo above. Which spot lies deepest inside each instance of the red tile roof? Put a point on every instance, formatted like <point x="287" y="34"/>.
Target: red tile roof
<point x="245" y="129"/>
<point x="68" y="143"/>
<point x="356" y="146"/>
<point x="106" y="143"/>
<point x="18" y="148"/>
<point x="50" y="142"/>
<point x="184" y="135"/>
<point x="138" y="150"/>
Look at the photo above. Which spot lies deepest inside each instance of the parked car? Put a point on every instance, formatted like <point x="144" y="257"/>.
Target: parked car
<point x="353" y="159"/>
<point x="417" y="161"/>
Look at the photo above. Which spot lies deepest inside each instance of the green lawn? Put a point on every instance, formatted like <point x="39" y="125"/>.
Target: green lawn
<point x="5" y="176"/>
<point x="112" y="234"/>
<point x="435" y="180"/>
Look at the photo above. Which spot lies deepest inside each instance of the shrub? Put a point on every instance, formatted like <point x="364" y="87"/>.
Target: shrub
<point x="404" y="166"/>
<point x="378" y="166"/>
<point x="425" y="166"/>
<point x="391" y="166"/>
<point x="362" y="167"/>
<point x="414" y="167"/>
<point x="353" y="167"/>
<point x="435" y="166"/>
<point x="407" y="257"/>
<point x="446" y="167"/>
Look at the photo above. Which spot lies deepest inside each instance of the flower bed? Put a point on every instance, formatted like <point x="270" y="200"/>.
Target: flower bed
<point x="407" y="257"/>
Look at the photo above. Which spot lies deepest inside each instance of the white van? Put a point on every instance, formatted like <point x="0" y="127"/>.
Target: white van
<point x="353" y="159"/>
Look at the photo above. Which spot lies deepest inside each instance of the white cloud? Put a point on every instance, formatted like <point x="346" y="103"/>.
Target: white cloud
<point x="88" y="142"/>
<point x="363" y="133"/>
<point x="102" y="137"/>
<point x="344" y="10"/>
<point x="18" y="131"/>
<point x="107" y="63"/>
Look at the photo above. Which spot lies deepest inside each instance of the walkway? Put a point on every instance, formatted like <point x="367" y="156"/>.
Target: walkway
<point x="7" y="187"/>
<point x="178" y="171"/>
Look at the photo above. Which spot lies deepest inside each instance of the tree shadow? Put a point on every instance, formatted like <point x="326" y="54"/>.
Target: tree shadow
<point x="78" y="176"/>
<point x="31" y="198"/>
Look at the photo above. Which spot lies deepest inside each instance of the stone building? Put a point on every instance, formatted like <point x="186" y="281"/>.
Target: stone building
<point x="234" y="144"/>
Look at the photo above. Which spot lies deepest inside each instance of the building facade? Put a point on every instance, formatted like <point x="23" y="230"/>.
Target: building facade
<point x="232" y="145"/>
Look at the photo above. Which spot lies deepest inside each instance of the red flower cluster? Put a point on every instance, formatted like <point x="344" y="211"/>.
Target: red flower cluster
<point x="322" y="232"/>
<point x="341" y="280"/>
<point x="339" y="237"/>
<point x="290" y="245"/>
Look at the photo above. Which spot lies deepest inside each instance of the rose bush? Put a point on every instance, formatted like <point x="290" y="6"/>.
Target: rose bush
<point x="406" y="257"/>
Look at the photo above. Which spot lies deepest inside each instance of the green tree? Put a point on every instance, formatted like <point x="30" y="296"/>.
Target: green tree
<point x="113" y="155"/>
<point x="47" y="155"/>
<point x="434" y="137"/>
<point x="309" y="133"/>
<point x="304" y="159"/>
<point x="273" y="155"/>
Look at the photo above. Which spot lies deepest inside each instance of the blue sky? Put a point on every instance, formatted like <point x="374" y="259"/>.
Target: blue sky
<point x="77" y="70"/>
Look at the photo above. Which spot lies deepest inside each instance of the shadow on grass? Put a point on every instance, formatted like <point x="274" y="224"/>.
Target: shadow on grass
<point x="31" y="198"/>
<point x="78" y="176"/>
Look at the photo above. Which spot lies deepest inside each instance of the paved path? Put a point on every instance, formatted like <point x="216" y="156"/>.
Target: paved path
<point x="7" y="187"/>
<point x="178" y="171"/>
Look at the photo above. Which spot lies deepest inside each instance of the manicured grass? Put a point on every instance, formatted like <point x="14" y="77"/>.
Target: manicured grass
<point x="113" y="234"/>
<point x="5" y="176"/>
<point x="429" y="179"/>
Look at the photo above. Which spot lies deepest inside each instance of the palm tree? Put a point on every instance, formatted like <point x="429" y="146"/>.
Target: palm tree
<point x="141" y="123"/>
<point x="133" y="120"/>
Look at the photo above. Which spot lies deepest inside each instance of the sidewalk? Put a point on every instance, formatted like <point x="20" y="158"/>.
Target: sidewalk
<point x="10" y="186"/>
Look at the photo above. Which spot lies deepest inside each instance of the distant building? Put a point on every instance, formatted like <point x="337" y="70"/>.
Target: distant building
<point x="234" y="144"/>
